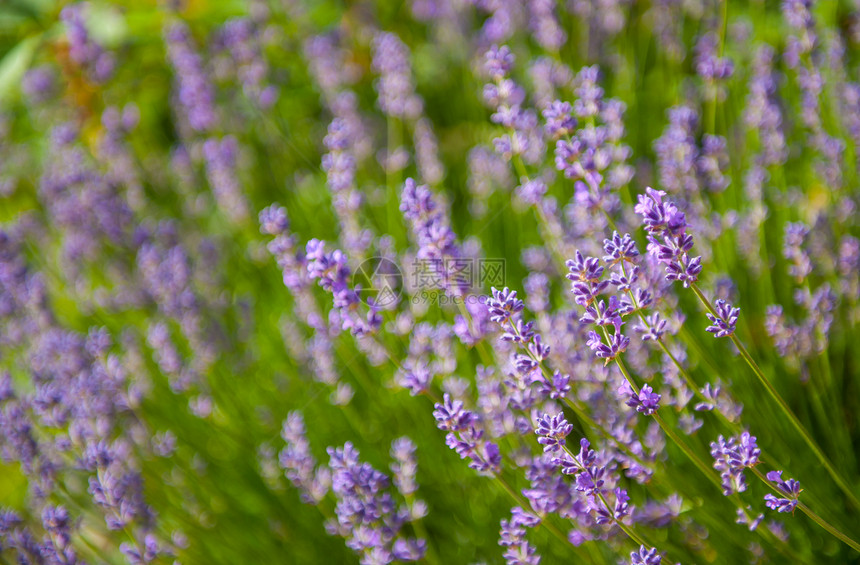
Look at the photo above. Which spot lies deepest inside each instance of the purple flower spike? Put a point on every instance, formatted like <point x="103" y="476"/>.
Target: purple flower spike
<point x="731" y="457"/>
<point x="450" y="415"/>
<point x="602" y="315"/>
<point x="646" y="402"/>
<point x="619" y="248"/>
<point x="723" y="324"/>
<point x="645" y="557"/>
<point x="790" y="487"/>
<point x="649" y="401"/>
<point x="503" y="305"/>
<point x="668" y="241"/>
<point x="618" y="343"/>
<point x="553" y="430"/>
<point x="586" y="269"/>
<point x="559" y="121"/>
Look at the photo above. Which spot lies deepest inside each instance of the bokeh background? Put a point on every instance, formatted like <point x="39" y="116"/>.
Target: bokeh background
<point x="139" y="140"/>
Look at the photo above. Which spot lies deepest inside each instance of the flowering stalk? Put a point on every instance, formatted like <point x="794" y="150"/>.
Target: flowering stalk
<point x="503" y="307"/>
<point x="783" y="405"/>
<point x="773" y="480"/>
<point x="664" y="219"/>
<point x="553" y="431"/>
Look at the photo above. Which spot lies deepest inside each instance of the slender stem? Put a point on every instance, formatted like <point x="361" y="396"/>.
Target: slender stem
<point x="832" y="530"/>
<point x="774" y="394"/>
<point x="603" y="432"/>
<point x="707" y="471"/>
<point x="701" y="465"/>
<point x="513" y="494"/>
<point x="421" y="532"/>
<point x="626" y="529"/>
<point x="578" y="411"/>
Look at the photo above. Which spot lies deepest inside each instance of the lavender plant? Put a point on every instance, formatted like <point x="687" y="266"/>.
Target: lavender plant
<point x="450" y="282"/>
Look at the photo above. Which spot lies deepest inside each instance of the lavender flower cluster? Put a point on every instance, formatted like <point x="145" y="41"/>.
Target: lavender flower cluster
<point x="309" y="282"/>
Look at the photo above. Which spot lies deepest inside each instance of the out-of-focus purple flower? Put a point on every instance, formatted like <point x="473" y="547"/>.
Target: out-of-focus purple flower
<point x="331" y="271"/>
<point x="367" y="514"/>
<point x="430" y="167"/>
<point x="340" y="166"/>
<point x="505" y="97"/>
<point x="274" y="220"/>
<point x="792" y="249"/>
<point x="241" y="39"/>
<point x="437" y="247"/>
<point x="544" y="24"/>
<point x="137" y="555"/>
<point x="221" y="156"/>
<point x="532" y="191"/>
<point x="713" y="162"/>
<point x="763" y="112"/>
<point x="405" y="465"/>
<point x="709" y="65"/>
<point x="415" y="377"/>
<point x="498" y="61"/>
<point x="38" y="84"/>
<point x="194" y="88"/>
<point x="395" y="87"/>
<point x="559" y="119"/>
<point x="83" y="49"/>
<point x="677" y="152"/>
<point x="298" y="462"/>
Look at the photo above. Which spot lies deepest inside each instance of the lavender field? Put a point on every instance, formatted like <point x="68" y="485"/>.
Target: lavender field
<point x="441" y="281"/>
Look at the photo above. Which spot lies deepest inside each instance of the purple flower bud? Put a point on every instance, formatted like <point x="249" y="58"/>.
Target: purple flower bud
<point x="791" y="488"/>
<point x="731" y="457"/>
<point x="553" y="430"/>
<point x="584" y="269"/>
<point x="723" y="324"/>
<point x="451" y="416"/>
<point x="645" y="557"/>
<point x="619" y="248"/>
<point x="503" y="305"/>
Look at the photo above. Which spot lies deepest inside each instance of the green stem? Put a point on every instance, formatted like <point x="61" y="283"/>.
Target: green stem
<point x="774" y="394"/>
<point x="524" y="504"/>
<point x="832" y="530"/>
<point x="578" y="411"/>
<point x="707" y="471"/>
<point x="626" y="529"/>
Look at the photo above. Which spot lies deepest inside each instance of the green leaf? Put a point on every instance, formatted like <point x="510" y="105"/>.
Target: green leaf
<point x="15" y="64"/>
